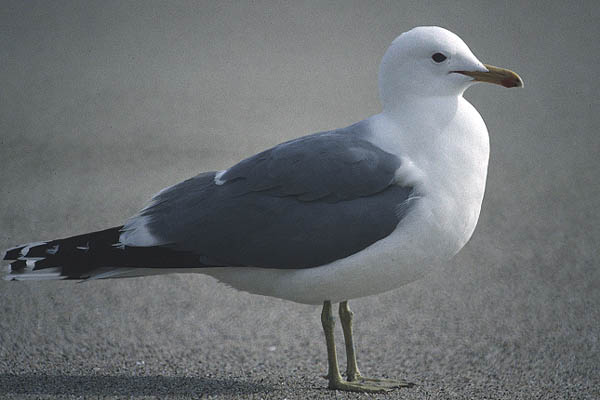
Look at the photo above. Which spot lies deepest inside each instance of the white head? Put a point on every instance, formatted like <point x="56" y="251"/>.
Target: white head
<point x="432" y="61"/>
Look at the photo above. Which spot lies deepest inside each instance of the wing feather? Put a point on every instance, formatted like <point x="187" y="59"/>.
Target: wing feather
<point x="301" y="204"/>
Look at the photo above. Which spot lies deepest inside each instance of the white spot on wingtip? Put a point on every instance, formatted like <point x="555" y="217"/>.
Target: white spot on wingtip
<point x="84" y="248"/>
<point x="218" y="176"/>
<point x="29" y="246"/>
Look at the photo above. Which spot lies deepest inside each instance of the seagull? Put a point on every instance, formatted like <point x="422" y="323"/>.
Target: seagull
<point x="323" y="218"/>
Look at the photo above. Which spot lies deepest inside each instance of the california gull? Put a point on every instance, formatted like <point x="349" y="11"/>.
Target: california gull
<point x="324" y="218"/>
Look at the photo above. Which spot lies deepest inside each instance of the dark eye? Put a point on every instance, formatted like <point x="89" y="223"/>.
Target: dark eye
<point x="438" y="57"/>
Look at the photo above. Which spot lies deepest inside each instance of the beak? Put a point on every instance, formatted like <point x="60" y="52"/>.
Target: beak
<point x="499" y="76"/>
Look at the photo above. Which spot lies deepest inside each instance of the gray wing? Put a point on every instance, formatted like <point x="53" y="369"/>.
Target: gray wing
<point x="301" y="204"/>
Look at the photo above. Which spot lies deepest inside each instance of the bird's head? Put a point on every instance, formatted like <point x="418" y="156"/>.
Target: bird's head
<point x="432" y="61"/>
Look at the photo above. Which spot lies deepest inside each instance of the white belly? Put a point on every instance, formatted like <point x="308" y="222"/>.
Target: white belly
<point x="420" y="243"/>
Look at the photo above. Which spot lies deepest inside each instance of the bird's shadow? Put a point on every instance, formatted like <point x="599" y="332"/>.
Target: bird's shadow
<point x="123" y="385"/>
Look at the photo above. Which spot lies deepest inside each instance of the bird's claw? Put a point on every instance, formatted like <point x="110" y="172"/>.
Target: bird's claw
<point x="367" y="385"/>
<point x="391" y="383"/>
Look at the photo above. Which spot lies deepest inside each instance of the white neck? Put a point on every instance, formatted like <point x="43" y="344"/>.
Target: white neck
<point x="444" y="148"/>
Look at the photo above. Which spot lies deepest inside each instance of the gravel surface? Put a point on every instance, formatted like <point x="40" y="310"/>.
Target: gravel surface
<point x="194" y="338"/>
<point x="104" y="103"/>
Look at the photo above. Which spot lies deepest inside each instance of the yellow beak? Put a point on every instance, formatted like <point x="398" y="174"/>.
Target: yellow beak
<point x="499" y="76"/>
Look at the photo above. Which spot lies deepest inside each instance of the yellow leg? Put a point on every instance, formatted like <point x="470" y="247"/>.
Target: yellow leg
<point x="336" y="382"/>
<point x="352" y="371"/>
<point x="328" y="324"/>
<point x="346" y="317"/>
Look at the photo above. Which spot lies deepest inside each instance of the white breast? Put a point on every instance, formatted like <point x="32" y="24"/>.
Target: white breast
<point x="445" y="157"/>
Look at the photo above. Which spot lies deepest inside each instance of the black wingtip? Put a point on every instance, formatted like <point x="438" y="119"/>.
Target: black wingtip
<point x="18" y="265"/>
<point x="14" y="253"/>
<point x="43" y="249"/>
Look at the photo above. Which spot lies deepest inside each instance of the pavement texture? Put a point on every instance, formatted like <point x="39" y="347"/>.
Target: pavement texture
<point x="105" y="103"/>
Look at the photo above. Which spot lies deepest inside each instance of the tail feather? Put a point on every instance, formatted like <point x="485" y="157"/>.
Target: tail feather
<point x="46" y="274"/>
<point x="96" y="254"/>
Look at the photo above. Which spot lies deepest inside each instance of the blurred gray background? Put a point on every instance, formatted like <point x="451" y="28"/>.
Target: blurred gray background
<point x="104" y="103"/>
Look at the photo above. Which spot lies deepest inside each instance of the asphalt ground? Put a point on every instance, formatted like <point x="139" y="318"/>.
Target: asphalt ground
<point x="103" y="104"/>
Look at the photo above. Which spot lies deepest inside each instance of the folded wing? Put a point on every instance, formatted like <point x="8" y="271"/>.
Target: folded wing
<point x="301" y="204"/>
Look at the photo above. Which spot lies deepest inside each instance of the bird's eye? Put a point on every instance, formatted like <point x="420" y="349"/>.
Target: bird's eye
<point x="438" y="57"/>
